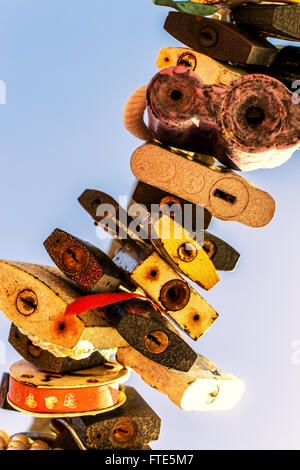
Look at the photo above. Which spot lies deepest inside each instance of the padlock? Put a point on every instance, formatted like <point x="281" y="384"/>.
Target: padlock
<point x="220" y="40"/>
<point x="44" y="360"/>
<point x="252" y="124"/>
<point x="210" y="71"/>
<point x="86" y="265"/>
<point x="280" y="21"/>
<point x="35" y="299"/>
<point x="85" y="392"/>
<point x="224" y="193"/>
<point x="204" y="388"/>
<point x="132" y="426"/>
<point x="148" y="199"/>
<point x="168" y="289"/>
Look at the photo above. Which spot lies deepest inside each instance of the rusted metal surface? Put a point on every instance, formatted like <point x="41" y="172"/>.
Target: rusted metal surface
<point x="132" y="426"/>
<point x="86" y="265"/>
<point x="251" y="124"/>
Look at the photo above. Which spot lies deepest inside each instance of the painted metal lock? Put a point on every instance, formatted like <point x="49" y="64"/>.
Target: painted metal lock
<point x="251" y="124"/>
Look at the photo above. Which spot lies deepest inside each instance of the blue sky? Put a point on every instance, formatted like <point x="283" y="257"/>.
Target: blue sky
<point x="69" y="66"/>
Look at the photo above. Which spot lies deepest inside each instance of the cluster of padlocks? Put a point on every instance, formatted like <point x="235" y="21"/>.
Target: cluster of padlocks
<point x="227" y="96"/>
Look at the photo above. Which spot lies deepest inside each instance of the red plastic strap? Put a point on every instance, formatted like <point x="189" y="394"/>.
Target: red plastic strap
<point x="90" y="302"/>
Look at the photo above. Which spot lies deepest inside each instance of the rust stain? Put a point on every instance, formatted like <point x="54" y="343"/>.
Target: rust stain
<point x="152" y="274"/>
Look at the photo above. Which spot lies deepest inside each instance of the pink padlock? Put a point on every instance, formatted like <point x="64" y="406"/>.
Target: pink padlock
<point x="251" y="124"/>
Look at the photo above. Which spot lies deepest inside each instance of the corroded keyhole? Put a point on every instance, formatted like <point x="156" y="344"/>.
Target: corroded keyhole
<point x="255" y="115"/>
<point x="213" y="395"/>
<point x="176" y="95"/>
<point x="208" y="37"/>
<point x="175" y="294"/>
<point x="27" y="302"/>
<point x="187" y="60"/>
<point x="124" y="432"/>
<point x="33" y="351"/>
<point x="225" y="196"/>
<point x="156" y="342"/>
<point x="74" y="258"/>
<point x="187" y="252"/>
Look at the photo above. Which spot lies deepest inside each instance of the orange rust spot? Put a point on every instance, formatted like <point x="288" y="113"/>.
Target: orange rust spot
<point x="152" y="274"/>
<point x="194" y="318"/>
<point x="209" y="248"/>
<point x="169" y="202"/>
<point x="66" y="325"/>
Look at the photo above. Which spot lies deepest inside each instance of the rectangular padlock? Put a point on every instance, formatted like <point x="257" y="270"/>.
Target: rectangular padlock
<point x="225" y="194"/>
<point x="35" y="299"/>
<point x="204" y="388"/>
<point x="181" y="249"/>
<point x="168" y="289"/>
<point x="68" y="439"/>
<point x="182" y="254"/>
<point x="131" y="426"/>
<point x="280" y="21"/>
<point x="44" y="360"/>
<point x="222" y="41"/>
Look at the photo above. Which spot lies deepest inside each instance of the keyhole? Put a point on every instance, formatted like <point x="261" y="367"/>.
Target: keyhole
<point x="255" y="115"/>
<point x="27" y="302"/>
<point x="124" y="432"/>
<point x="74" y="258"/>
<point x="176" y="95"/>
<point x="225" y="196"/>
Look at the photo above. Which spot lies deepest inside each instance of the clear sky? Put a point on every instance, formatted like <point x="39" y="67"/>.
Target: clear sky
<point x="69" y="66"/>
